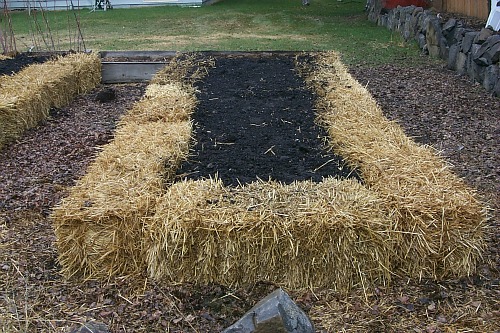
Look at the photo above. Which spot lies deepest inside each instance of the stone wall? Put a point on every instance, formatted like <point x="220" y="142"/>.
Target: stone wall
<point x="467" y="51"/>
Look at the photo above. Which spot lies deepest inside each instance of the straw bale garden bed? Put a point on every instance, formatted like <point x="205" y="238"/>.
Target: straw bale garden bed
<point x="177" y="204"/>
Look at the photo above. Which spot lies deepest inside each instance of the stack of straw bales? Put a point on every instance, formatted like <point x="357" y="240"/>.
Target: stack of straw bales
<point x="99" y="226"/>
<point x="26" y="97"/>
<point x="439" y="223"/>
<point x="410" y="216"/>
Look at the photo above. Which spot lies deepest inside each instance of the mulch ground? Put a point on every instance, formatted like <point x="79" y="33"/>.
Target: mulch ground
<point x="434" y="105"/>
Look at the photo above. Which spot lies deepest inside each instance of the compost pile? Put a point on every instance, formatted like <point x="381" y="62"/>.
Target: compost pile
<point x="434" y="105"/>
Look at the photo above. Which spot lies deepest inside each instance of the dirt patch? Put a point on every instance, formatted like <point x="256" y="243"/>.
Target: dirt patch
<point x="434" y="105"/>
<point x="256" y="120"/>
<point x="14" y="65"/>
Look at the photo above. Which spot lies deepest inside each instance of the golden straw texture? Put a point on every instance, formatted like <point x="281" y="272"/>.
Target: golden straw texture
<point x="439" y="221"/>
<point x="26" y="97"/>
<point x="334" y="233"/>
<point x="99" y="226"/>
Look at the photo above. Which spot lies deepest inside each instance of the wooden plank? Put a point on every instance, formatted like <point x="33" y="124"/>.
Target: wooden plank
<point x="122" y="72"/>
<point x="473" y="8"/>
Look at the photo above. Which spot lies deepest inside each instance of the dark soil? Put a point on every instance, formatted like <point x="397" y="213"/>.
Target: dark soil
<point x="256" y="120"/>
<point x="14" y="65"/>
<point x="432" y="104"/>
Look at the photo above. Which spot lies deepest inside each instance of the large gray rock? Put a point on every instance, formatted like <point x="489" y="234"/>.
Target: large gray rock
<point x="434" y="37"/>
<point x="374" y="8"/>
<point x="491" y="77"/>
<point x="275" y="313"/>
<point x="453" y="31"/>
<point x="408" y="30"/>
<point x="474" y="71"/>
<point x="426" y="18"/>
<point x="461" y="63"/>
<point x="395" y="20"/>
<point x="422" y="41"/>
<point x="483" y="35"/>
<point x="452" y="56"/>
<point x="458" y="35"/>
<point x="468" y="41"/>
<point x="390" y="20"/>
<point x="496" y="89"/>
<point x="489" y="52"/>
<point x="444" y="49"/>
<point x="413" y="23"/>
<point x="382" y="20"/>
<point x="449" y="26"/>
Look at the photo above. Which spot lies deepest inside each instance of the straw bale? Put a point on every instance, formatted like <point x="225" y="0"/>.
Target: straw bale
<point x="26" y="97"/>
<point x="441" y="222"/>
<point x="169" y="102"/>
<point x="100" y="224"/>
<point x="334" y="233"/>
<point x="186" y="68"/>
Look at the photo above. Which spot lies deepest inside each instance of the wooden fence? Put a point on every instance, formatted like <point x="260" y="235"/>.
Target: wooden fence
<point x="474" y="8"/>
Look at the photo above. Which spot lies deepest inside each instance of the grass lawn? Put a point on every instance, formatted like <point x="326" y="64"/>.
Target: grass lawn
<point x="235" y="25"/>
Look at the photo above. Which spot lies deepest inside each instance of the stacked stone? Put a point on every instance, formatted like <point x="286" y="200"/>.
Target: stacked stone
<point x="467" y="51"/>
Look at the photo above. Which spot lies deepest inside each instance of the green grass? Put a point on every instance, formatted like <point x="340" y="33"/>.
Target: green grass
<point x="235" y="25"/>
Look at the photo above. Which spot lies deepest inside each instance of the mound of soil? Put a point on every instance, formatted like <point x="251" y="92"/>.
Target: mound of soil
<point x="256" y="120"/>
<point x="14" y="65"/>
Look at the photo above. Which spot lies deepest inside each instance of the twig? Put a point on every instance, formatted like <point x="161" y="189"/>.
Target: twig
<point x="322" y="165"/>
<point x="46" y="21"/>
<point x="7" y="39"/>
<point x="80" y="35"/>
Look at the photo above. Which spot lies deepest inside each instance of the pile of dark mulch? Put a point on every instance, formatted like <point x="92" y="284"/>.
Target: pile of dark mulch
<point x="434" y="105"/>
<point x="15" y="64"/>
<point x="256" y="120"/>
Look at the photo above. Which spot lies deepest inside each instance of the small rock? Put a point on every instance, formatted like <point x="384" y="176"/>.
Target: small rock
<point x="106" y="95"/>
<point x="90" y="327"/>
<point x="442" y="319"/>
<point x="275" y="313"/>
<point x="483" y="35"/>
